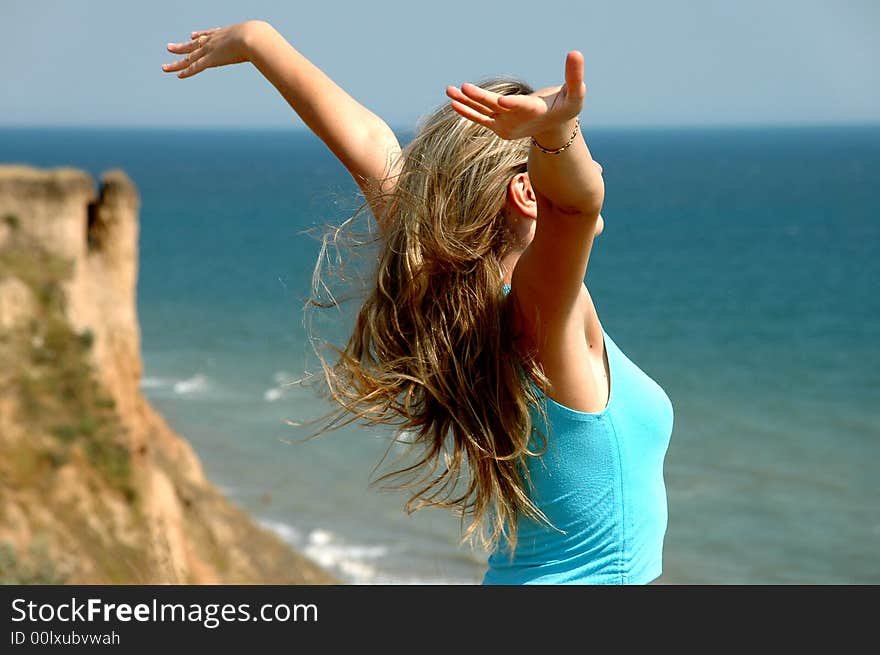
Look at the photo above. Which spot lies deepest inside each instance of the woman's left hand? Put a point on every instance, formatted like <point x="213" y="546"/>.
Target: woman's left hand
<point x="220" y="46"/>
<point x="520" y="116"/>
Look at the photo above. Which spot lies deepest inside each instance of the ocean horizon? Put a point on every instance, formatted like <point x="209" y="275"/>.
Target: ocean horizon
<point x="738" y="268"/>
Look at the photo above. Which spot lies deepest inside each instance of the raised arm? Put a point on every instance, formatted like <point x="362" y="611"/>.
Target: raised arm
<point x="548" y="280"/>
<point x="568" y="185"/>
<point x="362" y="141"/>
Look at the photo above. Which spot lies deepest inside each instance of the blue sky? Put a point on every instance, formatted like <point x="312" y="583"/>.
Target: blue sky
<point x="647" y="63"/>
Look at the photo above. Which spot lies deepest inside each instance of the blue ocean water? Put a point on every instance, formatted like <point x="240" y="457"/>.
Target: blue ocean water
<point x="738" y="268"/>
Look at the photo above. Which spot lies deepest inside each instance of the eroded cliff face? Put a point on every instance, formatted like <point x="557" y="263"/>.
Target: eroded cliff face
<point x="94" y="485"/>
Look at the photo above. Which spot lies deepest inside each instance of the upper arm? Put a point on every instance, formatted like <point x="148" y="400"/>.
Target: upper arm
<point x="374" y="165"/>
<point x="555" y="310"/>
<point x="549" y="275"/>
<point x="362" y="141"/>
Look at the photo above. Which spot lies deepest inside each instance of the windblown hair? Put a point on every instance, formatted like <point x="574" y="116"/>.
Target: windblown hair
<point x="434" y="350"/>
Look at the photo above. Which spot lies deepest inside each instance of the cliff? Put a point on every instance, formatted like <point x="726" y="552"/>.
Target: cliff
<point x="95" y="487"/>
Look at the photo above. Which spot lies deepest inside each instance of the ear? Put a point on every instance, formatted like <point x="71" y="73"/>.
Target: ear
<point x="521" y="196"/>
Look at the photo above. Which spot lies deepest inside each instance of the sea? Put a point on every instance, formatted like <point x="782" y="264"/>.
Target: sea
<point x="739" y="268"/>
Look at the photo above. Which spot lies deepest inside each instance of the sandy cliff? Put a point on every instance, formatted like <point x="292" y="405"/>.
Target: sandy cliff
<point x="94" y="485"/>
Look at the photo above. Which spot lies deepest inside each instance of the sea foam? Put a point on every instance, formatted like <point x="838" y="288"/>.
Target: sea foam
<point x="352" y="562"/>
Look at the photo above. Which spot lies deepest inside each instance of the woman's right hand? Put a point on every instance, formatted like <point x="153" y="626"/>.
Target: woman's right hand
<point x="220" y="46"/>
<point x="542" y="113"/>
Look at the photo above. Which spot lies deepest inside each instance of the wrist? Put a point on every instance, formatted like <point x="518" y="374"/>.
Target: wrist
<point x="253" y="32"/>
<point x="558" y="137"/>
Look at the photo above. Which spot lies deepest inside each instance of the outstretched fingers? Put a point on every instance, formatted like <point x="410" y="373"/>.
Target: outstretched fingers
<point x="518" y="102"/>
<point x="196" y="66"/>
<point x="488" y="99"/>
<point x="194" y="61"/>
<point x="183" y="48"/>
<point x="472" y="115"/>
<point x="455" y="94"/>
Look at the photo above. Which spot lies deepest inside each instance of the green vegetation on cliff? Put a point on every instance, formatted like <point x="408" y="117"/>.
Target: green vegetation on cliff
<point x="46" y="365"/>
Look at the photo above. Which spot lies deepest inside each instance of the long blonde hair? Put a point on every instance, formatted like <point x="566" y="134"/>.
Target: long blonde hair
<point x="434" y="350"/>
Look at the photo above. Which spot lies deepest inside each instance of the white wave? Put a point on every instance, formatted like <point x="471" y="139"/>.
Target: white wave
<point x="273" y="394"/>
<point x="287" y="532"/>
<point x="195" y="384"/>
<point x="156" y="383"/>
<point x="283" y="381"/>
<point x="320" y="537"/>
<point x="349" y="560"/>
<point x="354" y="563"/>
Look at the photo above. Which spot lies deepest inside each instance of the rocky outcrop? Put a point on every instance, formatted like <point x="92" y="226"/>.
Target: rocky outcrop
<point x="94" y="485"/>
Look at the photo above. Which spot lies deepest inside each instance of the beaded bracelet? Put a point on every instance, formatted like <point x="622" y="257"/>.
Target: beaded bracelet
<point x="577" y="124"/>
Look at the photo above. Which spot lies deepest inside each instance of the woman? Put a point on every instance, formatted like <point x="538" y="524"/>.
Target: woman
<point x="479" y="338"/>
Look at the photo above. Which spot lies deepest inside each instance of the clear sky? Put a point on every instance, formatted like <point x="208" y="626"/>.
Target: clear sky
<point x="648" y="62"/>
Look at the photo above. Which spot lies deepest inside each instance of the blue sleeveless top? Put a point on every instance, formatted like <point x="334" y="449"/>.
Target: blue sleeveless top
<point x="600" y="482"/>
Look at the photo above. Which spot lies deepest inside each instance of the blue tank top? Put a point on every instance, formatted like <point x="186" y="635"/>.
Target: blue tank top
<point x="600" y="482"/>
